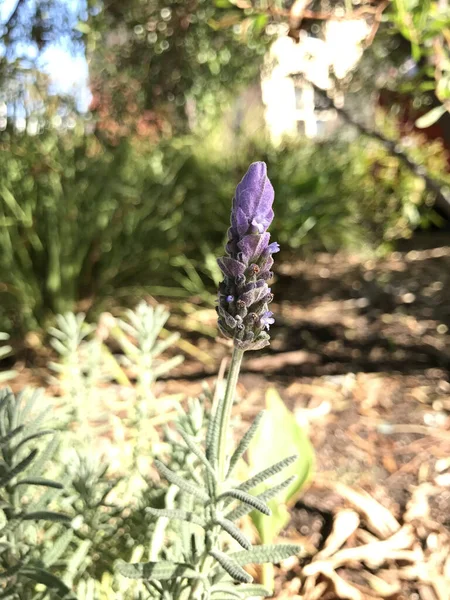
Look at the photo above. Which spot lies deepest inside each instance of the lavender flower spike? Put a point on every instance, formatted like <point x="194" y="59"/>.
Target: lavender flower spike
<point x="244" y="295"/>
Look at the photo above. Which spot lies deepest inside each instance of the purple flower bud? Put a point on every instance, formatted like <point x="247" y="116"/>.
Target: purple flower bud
<point x="244" y="294"/>
<point x="252" y="203"/>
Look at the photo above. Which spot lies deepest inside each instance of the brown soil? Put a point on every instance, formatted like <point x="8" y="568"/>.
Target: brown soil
<point x="368" y="340"/>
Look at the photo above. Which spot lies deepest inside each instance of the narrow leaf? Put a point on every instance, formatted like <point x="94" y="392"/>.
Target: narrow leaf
<point x="162" y="345"/>
<point x="11" y="571"/>
<point x="48" y="579"/>
<point x="235" y="532"/>
<point x="430" y="118"/>
<point x="46" y="515"/>
<point x="160" y="571"/>
<point x="233" y="569"/>
<point x="9" y="436"/>
<point x="268" y="553"/>
<point x="197" y="451"/>
<point x="40" y="481"/>
<point x="240" y="591"/>
<point x="21" y="466"/>
<point x="266" y="473"/>
<point x="252" y="501"/>
<point x="167" y="366"/>
<point x="74" y="564"/>
<point x="56" y="550"/>
<point x="244" y="509"/>
<point x="179" y="515"/>
<point x="184" y="485"/>
<point x="244" y="443"/>
<point x="213" y="431"/>
<point x="33" y="436"/>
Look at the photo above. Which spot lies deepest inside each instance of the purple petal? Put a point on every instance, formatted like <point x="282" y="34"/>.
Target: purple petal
<point x="267" y="320"/>
<point x="254" y="194"/>
<point x="254" y="284"/>
<point x="266" y="265"/>
<point x="241" y="222"/>
<point x="230" y="267"/>
<point x="253" y="296"/>
<point x="273" y="247"/>
<point x="253" y="246"/>
<point x="258" y="226"/>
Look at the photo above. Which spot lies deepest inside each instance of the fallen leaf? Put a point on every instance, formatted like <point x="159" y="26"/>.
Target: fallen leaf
<point x="383" y="588"/>
<point x="345" y="523"/>
<point x="379" y="519"/>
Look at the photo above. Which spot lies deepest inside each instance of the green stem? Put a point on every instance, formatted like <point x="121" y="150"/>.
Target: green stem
<point x="225" y="413"/>
<point x="230" y="392"/>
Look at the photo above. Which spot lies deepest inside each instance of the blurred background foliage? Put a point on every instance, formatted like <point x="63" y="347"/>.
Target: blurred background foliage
<point x="131" y="193"/>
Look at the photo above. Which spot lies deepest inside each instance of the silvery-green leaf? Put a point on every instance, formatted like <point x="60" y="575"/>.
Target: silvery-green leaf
<point x="268" y="553"/>
<point x="179" y="515"/>
<point x="184" y="485"/>
<point x="252" y="501"/>
<point x="19" y="468"/>
<point x="229" y="565"/>
<point x="244" y="443"/>
<point x="241" y="511"/>
<point x="46" y="515"/>
<point x="40" y="481"/>
<point x="49" y="580"/>
<point x="266" y="473"/>
<point x="56" y="550"/>
<point x="243" y="590"/>
<point x="10" y="435"/>
<point x="160" y="571"/>
<point x="235" y="532"/>
<point x="195" y="449"/>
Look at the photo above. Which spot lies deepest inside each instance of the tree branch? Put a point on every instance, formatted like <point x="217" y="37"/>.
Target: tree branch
<point x="439" y="189"/>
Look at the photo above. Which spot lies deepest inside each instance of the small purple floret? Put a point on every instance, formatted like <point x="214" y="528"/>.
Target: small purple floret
<point x="267" y="320"/>
<point x="244" y="294"/>
<point x="273" y="248"/>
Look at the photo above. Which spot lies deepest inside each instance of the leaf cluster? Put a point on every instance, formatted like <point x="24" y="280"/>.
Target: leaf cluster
<point x="207" y="511"/>
<point x="83" y="221"/>
<point x="26" y="497"/>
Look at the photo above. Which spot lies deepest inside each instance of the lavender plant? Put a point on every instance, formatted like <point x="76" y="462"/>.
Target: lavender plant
<point x="27" y="498"/>
<point x="205" y="497"/>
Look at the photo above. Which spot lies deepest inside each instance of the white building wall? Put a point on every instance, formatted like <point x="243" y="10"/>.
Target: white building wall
<point x="289" y="101"/>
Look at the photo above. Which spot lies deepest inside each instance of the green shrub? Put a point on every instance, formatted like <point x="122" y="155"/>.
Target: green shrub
<point x="82" y="220"/>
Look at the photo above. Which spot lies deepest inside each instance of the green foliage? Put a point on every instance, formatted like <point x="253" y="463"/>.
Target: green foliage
<point x="68" y="209"/>
<point x="82" y="221"/>
<point x="169" y="543"/>
<point x="169" y="63"/>
<point x="205" y="528"/>
<point x="27" y="498"/>
<point x="139" y="337"/>
<point x="280" y="426"/>
<point x="424" y="24"/>
<point x="86" y="363"/>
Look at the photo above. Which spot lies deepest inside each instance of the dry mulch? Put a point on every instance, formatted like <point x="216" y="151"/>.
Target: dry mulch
<point x="361" y="355"/>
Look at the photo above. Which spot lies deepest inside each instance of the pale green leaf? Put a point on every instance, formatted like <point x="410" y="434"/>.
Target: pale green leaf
<point x="286" y="438"/>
